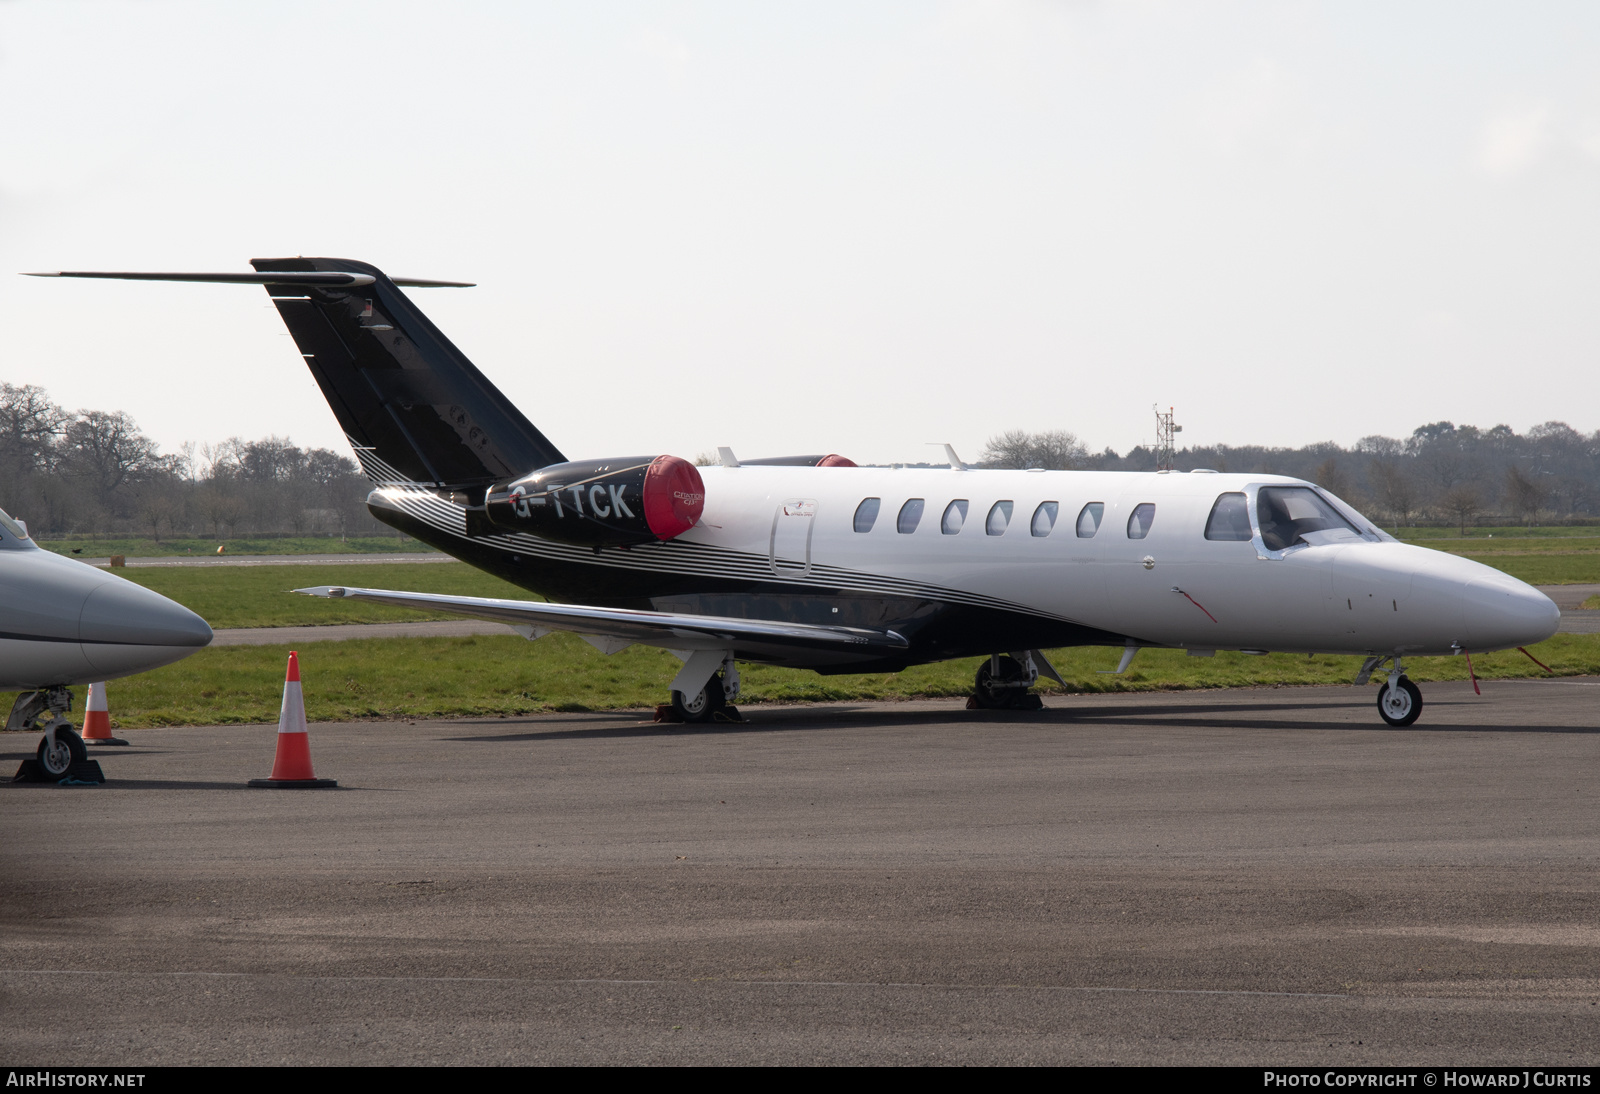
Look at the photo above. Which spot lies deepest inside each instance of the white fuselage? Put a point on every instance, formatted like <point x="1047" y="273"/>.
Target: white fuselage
<point x="62" y="622"/>
<point x="1352" y="592"/>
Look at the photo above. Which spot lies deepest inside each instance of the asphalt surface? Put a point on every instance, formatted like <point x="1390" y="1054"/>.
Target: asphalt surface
<point x="1253" y="877"/>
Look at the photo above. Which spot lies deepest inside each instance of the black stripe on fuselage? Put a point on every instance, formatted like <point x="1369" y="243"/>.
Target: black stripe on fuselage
<point x="15" y="637"/>
<point x="938" y="627"/>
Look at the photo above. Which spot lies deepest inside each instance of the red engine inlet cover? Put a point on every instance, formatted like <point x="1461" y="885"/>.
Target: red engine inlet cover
<point x="674" y="496"/>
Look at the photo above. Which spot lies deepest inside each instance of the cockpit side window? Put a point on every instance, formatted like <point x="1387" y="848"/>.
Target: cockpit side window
<point x="867" y="514"/>
<point x="1230" y="518"/>
<point x="1289" y="513"/>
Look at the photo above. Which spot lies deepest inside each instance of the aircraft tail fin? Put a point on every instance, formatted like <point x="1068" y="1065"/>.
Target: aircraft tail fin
<point x="414" y="407"/>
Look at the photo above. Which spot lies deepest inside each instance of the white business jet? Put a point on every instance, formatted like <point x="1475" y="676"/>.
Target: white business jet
<point x="64" y="623"/>
<point x="813" y="562"/>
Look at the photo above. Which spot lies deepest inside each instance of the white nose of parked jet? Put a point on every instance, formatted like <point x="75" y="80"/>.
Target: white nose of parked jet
<point x="122" y="612"/>
<point x="1500" y="612"/>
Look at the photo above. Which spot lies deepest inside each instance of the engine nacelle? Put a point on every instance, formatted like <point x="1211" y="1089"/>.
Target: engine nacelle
<point x="602" y="503"/>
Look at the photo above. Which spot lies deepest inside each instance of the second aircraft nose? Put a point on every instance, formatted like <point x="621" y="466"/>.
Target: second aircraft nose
<point x="124" y="627"/>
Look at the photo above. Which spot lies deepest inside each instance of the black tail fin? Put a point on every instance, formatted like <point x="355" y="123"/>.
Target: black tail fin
<point x="413" y="406"/>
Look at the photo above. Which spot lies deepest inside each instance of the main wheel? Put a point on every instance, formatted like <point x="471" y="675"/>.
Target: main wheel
<point x="69" y="749"/>
<point x="700" y="707"/>
<point x="990" y="696"/>
<point x="1400" y="706"/>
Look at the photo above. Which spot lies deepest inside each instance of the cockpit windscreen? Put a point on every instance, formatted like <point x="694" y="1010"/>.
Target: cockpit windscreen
<point x="1289" y="514"/>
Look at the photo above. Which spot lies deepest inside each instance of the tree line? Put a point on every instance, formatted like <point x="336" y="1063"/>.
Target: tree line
<point x="92" y="472"/>
<point x="1441" y="472"/>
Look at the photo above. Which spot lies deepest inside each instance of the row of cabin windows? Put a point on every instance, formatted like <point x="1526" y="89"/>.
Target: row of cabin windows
<point x="1044" y="517"/>
<point x="1286" y="512"/>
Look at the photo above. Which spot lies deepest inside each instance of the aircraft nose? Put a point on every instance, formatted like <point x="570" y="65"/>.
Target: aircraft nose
<point x="1500" y="611"/>
<point x="122" y="613"/>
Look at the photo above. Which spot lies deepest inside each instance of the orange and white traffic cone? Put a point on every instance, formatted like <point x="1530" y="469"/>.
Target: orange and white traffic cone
<point x="291" y="768"/>
<point x="97" y="719"/>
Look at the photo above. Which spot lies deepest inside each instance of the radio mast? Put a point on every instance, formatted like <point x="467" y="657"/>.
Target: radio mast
<point x="1164" y="431"/>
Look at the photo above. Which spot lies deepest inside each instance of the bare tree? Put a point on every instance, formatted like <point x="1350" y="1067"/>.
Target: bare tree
<point x="1394" y="490"/>
<point x="1524" y="496"/>
<point x="1331" y="477"/>
<point x="107" y="448"/>
<point x="1053" y="450"/>
<point x="30" y="426"/>
<point x="1464" y="501"/>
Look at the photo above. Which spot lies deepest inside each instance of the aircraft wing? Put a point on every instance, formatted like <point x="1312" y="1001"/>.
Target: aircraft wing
<point x="611" y="629"/>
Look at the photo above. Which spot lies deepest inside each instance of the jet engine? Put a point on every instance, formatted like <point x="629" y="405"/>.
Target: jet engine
<point x="601" y="503"/>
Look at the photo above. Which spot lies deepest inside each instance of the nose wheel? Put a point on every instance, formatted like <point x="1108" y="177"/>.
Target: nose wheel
<point x="1399" y="703"/>
<point x="58" y="751"/>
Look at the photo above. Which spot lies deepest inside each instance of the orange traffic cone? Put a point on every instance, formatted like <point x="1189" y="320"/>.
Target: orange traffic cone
<point x="97" y="719"/>
<point x="291" y="768"/>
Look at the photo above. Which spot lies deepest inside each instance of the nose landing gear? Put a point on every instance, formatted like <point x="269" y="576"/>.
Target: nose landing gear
<point x="1399" y="703"/>
<point x="60" y="747"/>
<point x="1399" y="700"/>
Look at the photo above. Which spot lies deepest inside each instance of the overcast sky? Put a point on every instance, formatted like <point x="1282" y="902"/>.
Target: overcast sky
<point x="814" y="227"/>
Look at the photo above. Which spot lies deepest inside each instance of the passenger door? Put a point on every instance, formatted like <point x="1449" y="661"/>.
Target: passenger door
<point x="789" y="549"/>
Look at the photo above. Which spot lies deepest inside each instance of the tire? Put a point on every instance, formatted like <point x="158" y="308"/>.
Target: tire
<point x="702" y="706"/>
<point x="1405" y="706"/>
<point x="989" y="696"/>
<point x="69" y="750"/>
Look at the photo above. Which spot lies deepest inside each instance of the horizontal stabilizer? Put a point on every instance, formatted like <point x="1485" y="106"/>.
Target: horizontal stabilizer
<point x="282" y="277"/>
<point x="772" y="641"/>
<point x="414" y="409"/>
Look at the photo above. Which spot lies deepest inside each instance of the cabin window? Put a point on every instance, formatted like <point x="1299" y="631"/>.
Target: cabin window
<point x="1089" y="519"/>
<point x="910" y="517"/>
<point x="1140" y="520"/>
<point x="999" y="517"/>
<point x="1230" y="519"/>
<point x="1044" y="518"/>
<point x="1288" y="513"/>
<point x="955" y="515"/>
<point x="867" y="514"/>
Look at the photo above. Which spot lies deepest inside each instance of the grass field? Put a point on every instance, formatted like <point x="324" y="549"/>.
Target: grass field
<point x="145" y="547"/>
<point x="1554" y="531"/>
<point x="261" y="596"/>
<point x="453" y="677"/>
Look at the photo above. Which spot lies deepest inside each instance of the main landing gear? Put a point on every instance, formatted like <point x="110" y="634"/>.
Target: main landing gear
<point x="714" y="699"/>
<point x="1399" y="700"/>
<point x="60" y="747"/>
<point x="1003" y="682"/>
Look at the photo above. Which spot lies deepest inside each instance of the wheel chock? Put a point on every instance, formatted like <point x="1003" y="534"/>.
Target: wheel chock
<point x="80" y="773"/>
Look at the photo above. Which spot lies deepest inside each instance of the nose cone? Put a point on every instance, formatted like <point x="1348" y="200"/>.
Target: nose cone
<point x="126" y="628"/>
<point x="1500" y="612"/>
<point x="123" y="613"/>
